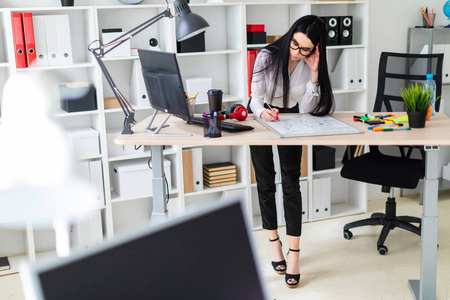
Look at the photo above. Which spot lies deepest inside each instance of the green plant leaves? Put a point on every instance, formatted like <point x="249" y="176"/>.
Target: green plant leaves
<point x="416" y="97"/>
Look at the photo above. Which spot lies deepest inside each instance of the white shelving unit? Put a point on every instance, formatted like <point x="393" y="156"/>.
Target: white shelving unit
<point x="225" y="61"/>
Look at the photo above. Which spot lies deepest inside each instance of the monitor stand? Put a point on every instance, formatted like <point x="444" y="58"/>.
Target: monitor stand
<point x="156" y="130"/>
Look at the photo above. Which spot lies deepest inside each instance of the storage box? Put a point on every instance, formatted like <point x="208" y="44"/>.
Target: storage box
<point x="200" y="86"/>
<point x="193" y="44"/>
<point x="122" y="50"/>
<point x="116" y="149"/>
<point x="134" y="177"/>
<point x="256" y="37"/>
<point x="255" y="27"/>
<point x="323" y="158"/>
<point x="74" y="99"/>
<point x="84" y="142"/>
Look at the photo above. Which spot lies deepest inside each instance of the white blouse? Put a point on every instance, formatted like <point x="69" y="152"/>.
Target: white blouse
<point x="301" y="87"/>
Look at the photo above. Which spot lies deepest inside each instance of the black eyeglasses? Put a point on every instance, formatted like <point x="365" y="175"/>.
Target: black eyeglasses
<point x="303" y="51"/>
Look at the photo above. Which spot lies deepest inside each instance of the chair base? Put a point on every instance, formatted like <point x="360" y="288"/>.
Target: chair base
<point x="389" y="221"/>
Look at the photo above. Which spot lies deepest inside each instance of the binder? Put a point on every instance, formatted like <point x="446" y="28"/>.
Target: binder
<point x="325" y="204"/>
<point x="279" y="205"/>
<point x="30" y="45"/>
<point x="317" y="197"/>
<point x="360" y="72"/>
<point x="19" y="42"/>
<point x="251" y="56"/>
<point x="96" y="179"/>
<point x="344" y="74"/>
<point x="197" y="169"/>
<point x="188" y="178"/>
<point x="51" y="39"/>
<point x="138" y="90"/>
<point x="40" y="41"/>
<point x="64" y="39"/>
<point x="304" y="191"/>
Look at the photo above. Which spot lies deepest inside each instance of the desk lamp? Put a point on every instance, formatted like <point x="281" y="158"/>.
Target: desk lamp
<point x="189" y="24"/>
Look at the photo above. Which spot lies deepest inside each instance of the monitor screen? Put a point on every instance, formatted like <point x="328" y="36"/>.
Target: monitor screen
<point x="202" y="255"/>
<point x="163" y="82"/>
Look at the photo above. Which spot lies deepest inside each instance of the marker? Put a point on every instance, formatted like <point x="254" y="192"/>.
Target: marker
<point x="391" y="129"/>
<point x="278" y="119"/>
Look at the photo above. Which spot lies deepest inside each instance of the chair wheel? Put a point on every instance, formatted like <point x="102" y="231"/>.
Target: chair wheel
<point x="348" y="234"/>
<point x="382" y="249"/>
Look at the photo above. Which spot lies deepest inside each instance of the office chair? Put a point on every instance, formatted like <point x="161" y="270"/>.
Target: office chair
<point x="402" y="170"/>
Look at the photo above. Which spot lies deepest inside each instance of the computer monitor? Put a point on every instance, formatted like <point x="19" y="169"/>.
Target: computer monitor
<point x="202" y="255"/>
<point x="164" y="86"/>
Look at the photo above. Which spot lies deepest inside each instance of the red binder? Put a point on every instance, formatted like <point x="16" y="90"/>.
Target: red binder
<point x="19" y="45"/>
<point x="30" y="45"/>
<point x="251" y="56"/>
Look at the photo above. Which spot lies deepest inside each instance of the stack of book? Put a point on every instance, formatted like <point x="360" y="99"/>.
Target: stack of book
<point x="219" y="174"/>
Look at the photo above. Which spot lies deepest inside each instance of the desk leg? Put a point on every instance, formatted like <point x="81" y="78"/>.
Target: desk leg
<point x="426" y="288"/>
<point x="159" y="186"/>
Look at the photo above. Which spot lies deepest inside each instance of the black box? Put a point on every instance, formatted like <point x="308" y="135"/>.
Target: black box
<point x="256" y="37"/>
<point x="77" y="98"/>
<point x="323" y="158"/>
<point x="193" y="44"/>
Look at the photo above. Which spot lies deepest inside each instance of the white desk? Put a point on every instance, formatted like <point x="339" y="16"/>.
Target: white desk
<point x="436" y="132"/>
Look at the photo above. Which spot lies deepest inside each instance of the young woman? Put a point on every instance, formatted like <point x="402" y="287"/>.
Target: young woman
<point x="290" y="70"/>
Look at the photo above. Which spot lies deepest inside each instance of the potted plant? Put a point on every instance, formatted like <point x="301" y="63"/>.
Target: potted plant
<point x="416" y="98"/>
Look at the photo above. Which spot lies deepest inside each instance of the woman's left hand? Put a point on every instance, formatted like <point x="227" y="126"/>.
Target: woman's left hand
<point x="313" y="60"/>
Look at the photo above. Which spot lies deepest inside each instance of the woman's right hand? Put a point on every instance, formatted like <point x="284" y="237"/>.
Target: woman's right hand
<point x="268" y="115"/>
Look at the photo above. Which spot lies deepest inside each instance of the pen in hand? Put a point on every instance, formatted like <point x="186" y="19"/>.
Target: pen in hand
<point x="270" y="107"/>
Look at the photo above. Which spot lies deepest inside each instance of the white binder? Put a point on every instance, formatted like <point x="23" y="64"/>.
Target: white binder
<point x="51" y="38"/>
<point x="279" y="205"/>
<point x="87" y="231"/>
<point x="40" y="41"/>
<point x="96" y="178"/>
<point x="197" y="168"/>
<point x="64" y="39"/>
<point x="321" y="197"/>
<point x="304" y="191"/>
<point x="349" y="71"/>
<point x="138" y="91"/>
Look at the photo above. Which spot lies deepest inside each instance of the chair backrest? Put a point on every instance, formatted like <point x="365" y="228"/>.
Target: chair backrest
<point x="398" y="70"/>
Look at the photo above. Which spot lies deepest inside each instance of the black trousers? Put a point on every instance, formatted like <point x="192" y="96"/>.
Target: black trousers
<point x="290" y="160"/>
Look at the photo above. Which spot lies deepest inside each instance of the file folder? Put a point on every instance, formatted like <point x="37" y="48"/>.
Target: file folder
<point x="19" y="42"/>
<point x="40" y="41"/>
<point x="138" y="90"/>
<point x="30" y="45"/>
<point x="64" y="39"/>
<point x="251" y="56"/>
<point x="349" y="71"/>
<point x="96" y="179"/>
<point x="197" y="168"/>
<point x="51" y="39"/>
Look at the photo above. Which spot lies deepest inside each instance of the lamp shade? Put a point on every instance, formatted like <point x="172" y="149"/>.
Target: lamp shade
<point x="189" y="24"/>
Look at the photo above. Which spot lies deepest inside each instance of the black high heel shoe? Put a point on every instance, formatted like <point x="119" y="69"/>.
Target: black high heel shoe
<point x="276" y="264"/>
<point x="288" y="276"/>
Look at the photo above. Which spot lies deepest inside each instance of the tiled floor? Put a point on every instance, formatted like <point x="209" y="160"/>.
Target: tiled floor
<point x="335" y="268"/>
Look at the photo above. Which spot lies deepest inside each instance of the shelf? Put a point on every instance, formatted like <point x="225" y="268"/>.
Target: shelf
<point x="63" y="114"/>
<point x="115" y="198"/>
<point x="208" y="190"/>
<point x="60" y="67"/>
<point x="218" y="52"/>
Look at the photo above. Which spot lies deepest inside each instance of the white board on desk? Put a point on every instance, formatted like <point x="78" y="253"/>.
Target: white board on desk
<point x="294" y="125"/>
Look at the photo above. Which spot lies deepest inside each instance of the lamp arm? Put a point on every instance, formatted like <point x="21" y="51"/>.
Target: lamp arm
<point x="99" y="52"/>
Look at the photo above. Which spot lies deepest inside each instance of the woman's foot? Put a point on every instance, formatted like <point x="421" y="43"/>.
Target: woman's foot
<point x="278" y="262"/>
<point x="292" y="274"/>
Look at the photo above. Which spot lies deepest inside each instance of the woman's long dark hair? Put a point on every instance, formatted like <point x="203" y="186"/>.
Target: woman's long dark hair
<point x="314" y="28"/>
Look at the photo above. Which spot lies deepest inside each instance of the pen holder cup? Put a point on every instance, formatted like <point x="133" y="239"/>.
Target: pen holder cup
<point x="428" y="20"/>
<point x="212" y="127"/>
<point x="191" y="105"/>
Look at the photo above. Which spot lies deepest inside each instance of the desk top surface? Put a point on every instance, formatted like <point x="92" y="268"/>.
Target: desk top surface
<point x="436" y="132"/>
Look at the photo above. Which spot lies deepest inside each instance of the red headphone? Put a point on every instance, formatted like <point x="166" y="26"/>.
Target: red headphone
<point x="237" y="111"/>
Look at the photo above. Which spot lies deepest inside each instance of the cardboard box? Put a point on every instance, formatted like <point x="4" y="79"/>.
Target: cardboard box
<point x="134" y="177"/>
<point x="84" y="142"/>
<point x="272" y="38"/>
<point x="200" y="86"/>
<point x="116" y="149"/>
<point x="111" y="102"/>
<point x="323" y="158"/>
